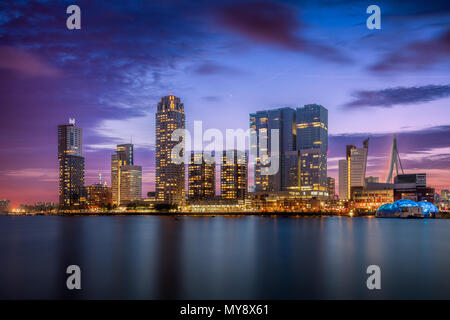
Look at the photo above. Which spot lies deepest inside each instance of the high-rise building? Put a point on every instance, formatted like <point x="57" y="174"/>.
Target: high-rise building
<point x="331" y="183"/>
<point x="343" y="174"/>
<point x="352" y="170"/>
<point x="71" y="165"/>
<point x="233" y="175"/>
<point x="202" y="178"/>
<point x="126" y="178"/>
<point x="312" y="142"/>
<point x="283" y="120"/>
<point x="303" y="146"/>
<point x="170" y="176"/>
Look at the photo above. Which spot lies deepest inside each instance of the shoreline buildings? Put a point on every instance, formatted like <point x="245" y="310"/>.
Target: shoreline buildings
<point x="71" y="165"/>
<point x="126" y="178"/>
<point x="352" y="170"/>
<point x="234" y="175"/>
<point x="202" y="178"/>
<point x="369" y="193"/>
<point x="99" y="195"/>
<point x="302" y="153"/>
<point x="170" y="176"/>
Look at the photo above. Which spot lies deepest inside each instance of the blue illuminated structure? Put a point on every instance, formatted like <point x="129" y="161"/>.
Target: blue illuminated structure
<point x="391" y="209"/>
<point x="428" y="208"/>
<point x="405" y="203"/>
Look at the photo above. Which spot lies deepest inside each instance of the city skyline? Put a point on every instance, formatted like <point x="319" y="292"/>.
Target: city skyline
<point x="366" y="79"/>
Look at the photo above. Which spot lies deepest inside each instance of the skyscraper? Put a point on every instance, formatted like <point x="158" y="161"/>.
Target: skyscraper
<point x="331" y="187"/>
<point x="233" y="175"/>
<point x="303" y="146"/>
<point x="283" y="120"/>
<point x="352" y="170"/>
<point x="126" y="178"/>
<point x="71" y="165"/>
<point x="170" y="176"/>
<point x="312" y="143"/>
<point x="343" y="174"/>
<point x="202" y="178"/>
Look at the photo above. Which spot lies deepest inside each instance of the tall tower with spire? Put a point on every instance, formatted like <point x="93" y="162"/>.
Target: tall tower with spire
<point x="395" y="160"/>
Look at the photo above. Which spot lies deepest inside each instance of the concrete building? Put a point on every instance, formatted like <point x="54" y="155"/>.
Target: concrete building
<point x="126" y="178"/>
<point x="312" y="143"/>
<point x="331" y="185"/>
<point x="234" y="175"/>
<point x="352" y="170"/>
<point x="263" y="122"/>
<point x="99" y="195"/>
<point x="202" y="178"/>
<point x="71" y="165"/>
<point x="303" y="145"/>
<point x="413" y="187"/>
<point x="170" y="176"/>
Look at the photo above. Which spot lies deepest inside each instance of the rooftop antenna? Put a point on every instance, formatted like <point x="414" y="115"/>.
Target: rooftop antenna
<point x="72" y="121"/>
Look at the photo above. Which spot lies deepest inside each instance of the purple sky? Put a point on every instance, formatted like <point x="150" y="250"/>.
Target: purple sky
<point x="224" y="59"/>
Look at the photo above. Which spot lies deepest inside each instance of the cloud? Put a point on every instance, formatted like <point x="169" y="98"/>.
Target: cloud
<point x="41" y="174"/>
<point x="425" y="150"/>
<point x="400" y="95"/>
<point x="18" y="59"/>
<point x="416" y="55"/>
<point x="274" y="24"/>
<point x="211" y="68"/>
<point x="212" y="98"/>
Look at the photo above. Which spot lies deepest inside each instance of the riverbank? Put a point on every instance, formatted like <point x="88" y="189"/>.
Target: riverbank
<point x="440" y="215"/>
<point x="206" y="214"/>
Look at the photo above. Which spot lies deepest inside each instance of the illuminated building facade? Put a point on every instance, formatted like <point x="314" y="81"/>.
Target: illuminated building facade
<point x="331" y="185"/>
<point x="170" y="177"/>
<point x="202" y="178"/>
<point x="413" y="187"/>
<point x="303" y="146"/>
<point x="312" y="143"/>
<point x="352" y="170"/>
<point x="343" y="174"/>
<point x="283" y="120"/>
<point x="233" y="175"/>
<point x="372" y="195"/>
<point x="71" y="165"/>
<point x="126" y="178"/>
<point x="99" y="195"/>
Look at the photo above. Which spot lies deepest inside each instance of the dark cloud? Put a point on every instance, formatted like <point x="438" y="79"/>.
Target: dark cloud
<point x="416" y="55"/>
<point x="272" y="23"/>
<point x="401" y="95"/>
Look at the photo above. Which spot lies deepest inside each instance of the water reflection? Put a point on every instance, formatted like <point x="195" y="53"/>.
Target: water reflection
<point x="222" y="257"/>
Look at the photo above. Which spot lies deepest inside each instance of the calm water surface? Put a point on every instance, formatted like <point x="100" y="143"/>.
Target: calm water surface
<point x="160" y="257"/>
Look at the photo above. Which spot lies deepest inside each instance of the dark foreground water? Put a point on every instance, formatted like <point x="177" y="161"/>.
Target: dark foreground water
<point x="223" y="257"/>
